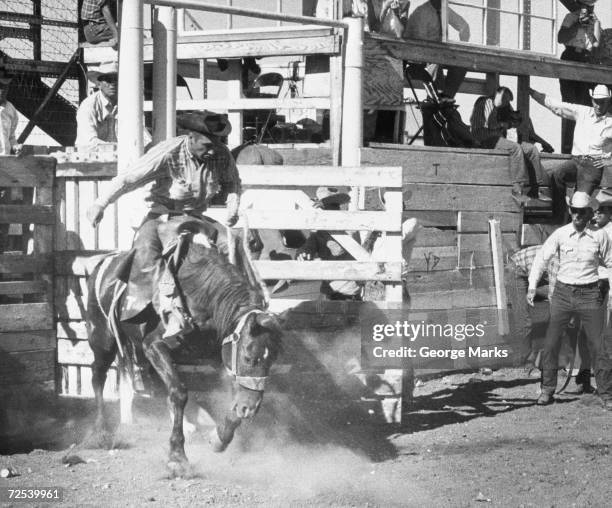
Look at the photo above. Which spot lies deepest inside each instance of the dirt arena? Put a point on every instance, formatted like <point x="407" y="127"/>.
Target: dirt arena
<point x="471" y="439"/>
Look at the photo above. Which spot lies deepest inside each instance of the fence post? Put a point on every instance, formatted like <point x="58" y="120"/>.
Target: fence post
<point x="164" y="74"/>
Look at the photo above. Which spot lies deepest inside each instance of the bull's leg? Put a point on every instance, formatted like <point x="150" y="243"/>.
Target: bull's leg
<point x="102" y="362"/>
<point x="159" y="356"/>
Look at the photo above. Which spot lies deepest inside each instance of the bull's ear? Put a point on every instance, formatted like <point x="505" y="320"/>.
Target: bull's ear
<point x="269" y="321"/>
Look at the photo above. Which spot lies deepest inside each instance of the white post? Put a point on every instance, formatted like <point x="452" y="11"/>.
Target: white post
<point x="131" y="74"/>
<point x="352" y="102"/>
<point x="164" y="73"/>
<point x="234" y="91"/>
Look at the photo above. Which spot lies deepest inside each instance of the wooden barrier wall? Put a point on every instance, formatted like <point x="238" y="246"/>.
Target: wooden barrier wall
<point x="27" y="334"/>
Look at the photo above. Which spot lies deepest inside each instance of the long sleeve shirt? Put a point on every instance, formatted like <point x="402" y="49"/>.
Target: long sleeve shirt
<point x="8" y="126"/>
<point x="425" y="24"/>
<point x="182" y="182"/>
<point x="580" y="255"/>
<point x="592" y="135"/>
<point x="96" y="121"/>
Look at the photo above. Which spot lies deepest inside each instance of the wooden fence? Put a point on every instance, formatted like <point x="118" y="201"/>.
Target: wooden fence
<point x="27" y="335"/>
<point x="273" y="199"/>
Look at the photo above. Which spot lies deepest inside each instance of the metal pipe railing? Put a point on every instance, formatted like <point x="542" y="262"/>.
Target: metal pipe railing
<point x="238" y="11"/>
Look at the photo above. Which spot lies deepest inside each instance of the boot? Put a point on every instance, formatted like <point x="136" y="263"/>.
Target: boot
<point x="175" y="319"/>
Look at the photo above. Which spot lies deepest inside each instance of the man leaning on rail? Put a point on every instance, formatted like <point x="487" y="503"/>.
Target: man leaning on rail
<point x="592" y="146"/>
<point x="187" y="173"/>
<point x="577" y="293"/>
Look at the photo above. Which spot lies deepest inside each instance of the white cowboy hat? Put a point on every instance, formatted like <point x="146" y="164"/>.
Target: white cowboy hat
<point x="581" y="199"/>
<point x="604" y="199"/>
<point x="601" y="92"/>
<point x="103" y="69"/>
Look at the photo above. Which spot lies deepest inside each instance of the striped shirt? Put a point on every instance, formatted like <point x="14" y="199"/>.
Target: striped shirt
<point x="523" y="261"/>
<point x="593" y="134"/>
<point x="181" y="181"/>
<point x="580" y="255"/>
<point x="91" y="10"/>
<point x="484" y="120"/>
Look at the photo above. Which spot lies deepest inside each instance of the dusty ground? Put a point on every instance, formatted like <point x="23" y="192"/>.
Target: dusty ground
<point x="470" y="440"/>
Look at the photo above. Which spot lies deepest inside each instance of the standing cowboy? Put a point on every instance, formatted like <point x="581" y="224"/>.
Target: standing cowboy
<point x="187" y="173"/>
<point x="577" y="293"/>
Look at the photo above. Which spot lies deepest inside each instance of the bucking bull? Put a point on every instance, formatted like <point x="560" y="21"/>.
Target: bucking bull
<point x="224" y="300"/>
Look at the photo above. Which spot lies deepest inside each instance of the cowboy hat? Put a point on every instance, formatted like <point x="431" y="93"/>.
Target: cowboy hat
<point x="205" y="122"/>
<point x="587" y="2"/>
<point x="600" y="92"/>
<point x="581" y="199"/>
<point x="332" y="196"/>
<point x="604" y="199"/>
<point x="104" y="69"/>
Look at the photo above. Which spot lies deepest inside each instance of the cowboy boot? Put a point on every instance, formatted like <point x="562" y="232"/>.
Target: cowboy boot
<point x="175" y="319"/>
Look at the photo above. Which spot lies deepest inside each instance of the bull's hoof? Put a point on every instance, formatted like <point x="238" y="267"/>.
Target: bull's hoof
<point x="216" y="444"/>
<point x="179" y="469"/>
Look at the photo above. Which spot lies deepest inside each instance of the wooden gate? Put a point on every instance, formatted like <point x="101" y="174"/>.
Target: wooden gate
<point x="27" y="331"/>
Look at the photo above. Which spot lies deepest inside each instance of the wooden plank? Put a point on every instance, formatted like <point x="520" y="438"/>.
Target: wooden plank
<point x="329" y="270"/>
<point x="91" y="170"/>
<point x="498" y="270"/>
<point x="427" y="196"/>
<point x="11" y="342"/>
<point x="27" y="366"/>
<point x="24" y="287"/>
<point x="477" y="59"/>
<point x="305" y="156"/>
<point x="383" y="82"/>
<point x="429" y="164"/>
<point x="426" y="259"/>
<point x="455" y="299"/>
<point x="26" y="214"/>
<point x="310" y="175"/>
<point x="26" y="316"/>
<point x="324" y="220"/>
<point x="28" y="171"/>
<point x="22" y="263"/>
<point x="433" y="237"/>
<point x="471" y="222"/>
<point x="243" y="103"/>
<point x="451" y="280"/>
<point x="480" y="241"/>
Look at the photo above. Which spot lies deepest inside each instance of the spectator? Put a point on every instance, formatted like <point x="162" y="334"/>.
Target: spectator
<point x="99" y="23"/>
<point x="491" y="133"/>
<point x="393" y="17"/>
<point x="425" y="24"/>
<point x="8" y="119"/>
<point x="577" y="293"/>
<point x="320" y="244"/>
<point x="591" y="149"/>
<point x="580" y="33"/>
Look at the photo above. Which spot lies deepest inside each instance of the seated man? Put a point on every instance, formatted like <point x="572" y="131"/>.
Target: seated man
<point x="491" y="133"/>
<point x="187" y="171"/>
<point x="320" y="244"/>
<point x="425" y="24"/>
<point x="99" y="23"/>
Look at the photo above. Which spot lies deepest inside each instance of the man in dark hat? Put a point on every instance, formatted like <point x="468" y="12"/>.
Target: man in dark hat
<point x="187" y="173"/>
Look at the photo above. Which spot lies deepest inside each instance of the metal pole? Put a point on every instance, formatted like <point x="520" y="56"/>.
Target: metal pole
<point x="352" y="111"/>
<point x="164" y="73"/>
<point x="223" y="9"/>
<point x="131" y="75"/>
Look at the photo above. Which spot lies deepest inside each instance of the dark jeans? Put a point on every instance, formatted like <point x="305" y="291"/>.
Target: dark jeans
<point x="587" y="304"/>
<point x="97" y="32"/>
<point x="578" y="170"/>
<point x="525" y="165"/>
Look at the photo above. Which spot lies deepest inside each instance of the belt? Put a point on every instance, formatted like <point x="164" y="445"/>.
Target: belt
<point x="580" y="286"/>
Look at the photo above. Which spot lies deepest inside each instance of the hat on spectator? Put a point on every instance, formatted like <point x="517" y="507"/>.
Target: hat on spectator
<point x="604" y="199"/>
<point x="4" y="79"/>
<point x="104" y="69"/>
<point x="601" y="92"/>
<point x="332" y="196"/>
<point x="581" y="199"/>
<point x="205" y="122"/>
<point x="588" y="2"/>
